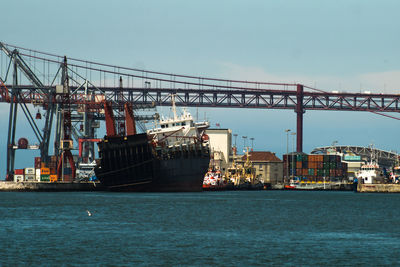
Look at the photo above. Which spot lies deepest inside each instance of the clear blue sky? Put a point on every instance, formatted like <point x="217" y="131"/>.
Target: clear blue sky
<point x="350" y="45"/>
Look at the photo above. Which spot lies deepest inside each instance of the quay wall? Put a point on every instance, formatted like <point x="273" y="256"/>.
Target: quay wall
<point x="58" y="186"/>
<point x="378" y="188"/>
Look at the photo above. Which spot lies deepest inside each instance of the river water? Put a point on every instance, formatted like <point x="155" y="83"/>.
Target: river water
<point x="235" y="228"/>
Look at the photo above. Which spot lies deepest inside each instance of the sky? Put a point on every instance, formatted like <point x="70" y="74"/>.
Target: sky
<point x="347" y="46"/>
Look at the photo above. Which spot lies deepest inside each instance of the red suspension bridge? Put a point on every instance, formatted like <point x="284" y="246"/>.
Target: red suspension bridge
<point x="55" y="84"/>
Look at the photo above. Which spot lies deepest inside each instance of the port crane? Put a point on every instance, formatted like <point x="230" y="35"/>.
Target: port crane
<point x="36" y="80"/>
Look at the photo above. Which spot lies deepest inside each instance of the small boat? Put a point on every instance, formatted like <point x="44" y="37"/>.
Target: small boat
<point x="395" y="174"/>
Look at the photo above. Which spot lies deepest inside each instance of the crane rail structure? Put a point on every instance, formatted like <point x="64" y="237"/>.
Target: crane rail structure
<point x="36" y="80"/>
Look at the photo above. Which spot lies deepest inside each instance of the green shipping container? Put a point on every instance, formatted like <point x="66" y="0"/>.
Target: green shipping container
<point x="45" y="178"/>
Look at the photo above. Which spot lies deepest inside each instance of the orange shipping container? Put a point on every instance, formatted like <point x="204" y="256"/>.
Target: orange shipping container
<point x="313" y="158"/>
<point x="53" y="178"/>
<point x="44" y="171"/>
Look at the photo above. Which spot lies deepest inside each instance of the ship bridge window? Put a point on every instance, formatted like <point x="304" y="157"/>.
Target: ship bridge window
<point x="183" y="123"/>
<point x="162" y="126"/>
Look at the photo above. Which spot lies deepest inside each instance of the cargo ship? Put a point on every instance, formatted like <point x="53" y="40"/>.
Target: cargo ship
<point x="171" y="157"/>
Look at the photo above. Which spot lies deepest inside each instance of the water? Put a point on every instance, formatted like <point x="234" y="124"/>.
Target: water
<point x="237" y="228"/>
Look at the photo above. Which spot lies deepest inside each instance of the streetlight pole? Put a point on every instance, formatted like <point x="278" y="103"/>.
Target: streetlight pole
<point x="252" y="142"/>
<point x="235" y="135"/>
<point x="293" y="168"/>
<point x="287" y="155"/>
<point x="244" y="142"/>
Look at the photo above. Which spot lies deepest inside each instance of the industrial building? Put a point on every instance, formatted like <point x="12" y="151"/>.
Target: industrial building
<point x="220" y="148"/>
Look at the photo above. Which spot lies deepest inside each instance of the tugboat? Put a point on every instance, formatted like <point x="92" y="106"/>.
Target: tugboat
<point x="243" y="176"/>
<point x="213" y="180"/>
<point x="171" y="157"/>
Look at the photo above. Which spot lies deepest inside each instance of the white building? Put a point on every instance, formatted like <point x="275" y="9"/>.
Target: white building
<point x="221" y="147"/>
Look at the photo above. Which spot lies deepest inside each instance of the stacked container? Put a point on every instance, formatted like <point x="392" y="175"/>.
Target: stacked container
<point x="67" y="174"/>
<point x="38" y="163"/>
<point x="37" y="174"/>
<point x="45" y="174"/>
<point x="53" y="165"/>
<point x="18" y="175"/>
<point x="314" y="168"/>
<point x="29" y="174"/>
<point x="53" y="178"/>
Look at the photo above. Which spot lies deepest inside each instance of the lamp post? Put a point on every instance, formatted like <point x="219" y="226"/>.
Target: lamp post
<point x="244" y="142"/>
<point x="293" y="168"/>
<point x="235" y="135"/>
<point x="252" y="142"/>
<point x="287" y="155"/>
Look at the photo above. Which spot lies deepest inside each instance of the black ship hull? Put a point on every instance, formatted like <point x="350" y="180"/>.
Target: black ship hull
<point x="131" y="163"/>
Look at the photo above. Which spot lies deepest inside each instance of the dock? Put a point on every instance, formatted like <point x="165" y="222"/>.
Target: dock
<point x="378" y="188"/>
<point x="50" y="187"/>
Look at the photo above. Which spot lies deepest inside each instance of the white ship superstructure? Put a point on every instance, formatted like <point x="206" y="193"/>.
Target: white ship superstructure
<point x="370" y="173"/>
<point x="177" y="130"/>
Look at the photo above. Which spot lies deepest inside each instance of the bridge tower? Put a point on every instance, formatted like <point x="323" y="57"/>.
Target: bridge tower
<point x="299" y="109"/>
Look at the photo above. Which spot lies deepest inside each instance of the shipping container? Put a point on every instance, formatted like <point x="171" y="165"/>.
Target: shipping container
<point x="30" y="177"/>
<point x="312" y="158"/>
<point x="19" y="171"/>
<point x="29" y="171"/>
<point x="44" y="171"/>
<point x="37" y="174"/>
<point x="37" y="162"/>
<point x="18" y="178"/>
<point x="53" y="171"/>
<point x="45" y="178"/>
<point x="53" y="178"/>
<point x="67" y="171"/>
<point x="67" y="178"/>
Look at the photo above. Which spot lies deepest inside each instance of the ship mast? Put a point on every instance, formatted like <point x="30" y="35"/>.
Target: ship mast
<point x="173" y="107"/>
